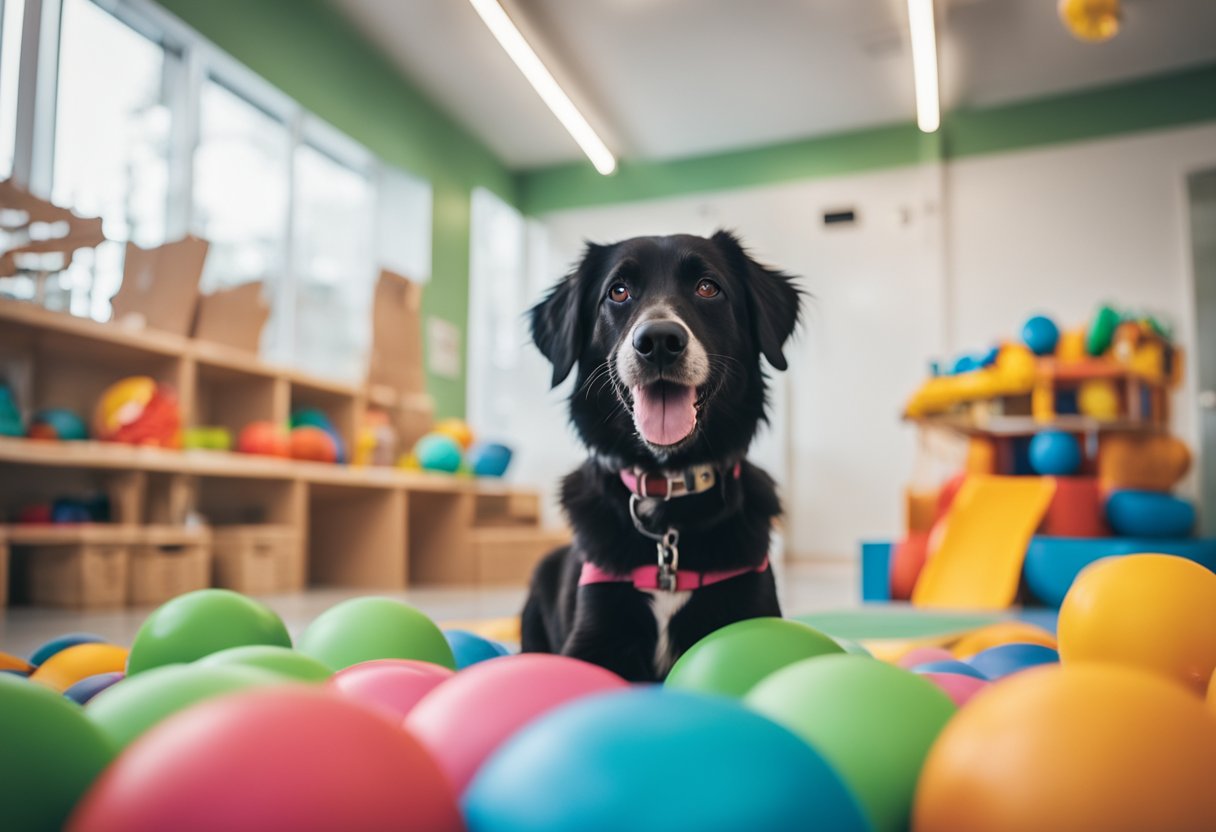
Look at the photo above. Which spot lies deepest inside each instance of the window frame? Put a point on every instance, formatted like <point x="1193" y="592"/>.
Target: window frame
<point x="191" y="59"/>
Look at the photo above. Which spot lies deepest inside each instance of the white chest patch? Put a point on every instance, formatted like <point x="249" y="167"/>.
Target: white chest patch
<point x="665" y="605"/>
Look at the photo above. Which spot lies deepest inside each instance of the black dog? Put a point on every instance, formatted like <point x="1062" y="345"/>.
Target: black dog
<point x="671" y="523"/>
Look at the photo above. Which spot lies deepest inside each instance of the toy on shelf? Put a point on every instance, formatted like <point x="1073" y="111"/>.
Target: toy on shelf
<point x="57" y="423"/>
<point x="451" y="448"/>
<point x="10" y="416"/>
<point x="377" y="440"/>
<point x="207" y="438"/>
<point x="1059" y="454"/>
<point x="309" y="446"/>
<point x="138" y="411"/>
<point x="264" y="439"/>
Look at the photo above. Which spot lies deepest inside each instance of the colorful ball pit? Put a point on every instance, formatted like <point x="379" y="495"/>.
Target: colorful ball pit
<point x="363" y="629"/>
<point x="873" y="722"/>
<point x="393" y="686"/>
<point x="293" y="757"/>
<point x="1156" y="613"/>
<point x="1086" y="747"/>
<point x="731" y="660"/>
<point x="656" y="760"/>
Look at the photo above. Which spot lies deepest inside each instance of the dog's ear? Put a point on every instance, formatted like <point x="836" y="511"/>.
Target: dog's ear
<point x="773" y="300"/>
<point x="559" y="329"/>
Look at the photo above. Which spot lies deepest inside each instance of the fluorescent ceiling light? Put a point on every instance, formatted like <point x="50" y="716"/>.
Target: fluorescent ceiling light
<point x="924" y="64"/>
<point x="510" y="39"/>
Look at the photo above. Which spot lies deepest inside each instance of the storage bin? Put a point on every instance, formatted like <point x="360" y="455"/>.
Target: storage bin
<point x="257" y="560"/>
<point x="167" y="563"/>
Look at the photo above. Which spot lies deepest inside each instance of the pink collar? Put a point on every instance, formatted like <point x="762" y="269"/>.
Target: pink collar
<point x="664" y="484"/>
<point x="647" y="577"/>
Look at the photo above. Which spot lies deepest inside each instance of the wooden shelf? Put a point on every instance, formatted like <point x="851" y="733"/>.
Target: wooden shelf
<point x="1028" y="426"/>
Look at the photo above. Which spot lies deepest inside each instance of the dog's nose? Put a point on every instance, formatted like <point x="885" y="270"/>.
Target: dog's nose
<point x="660" y="342"/>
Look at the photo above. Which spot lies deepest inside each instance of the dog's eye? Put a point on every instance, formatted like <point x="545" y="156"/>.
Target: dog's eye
<point x="619" y="293"/>
<point x="708" y="289"/>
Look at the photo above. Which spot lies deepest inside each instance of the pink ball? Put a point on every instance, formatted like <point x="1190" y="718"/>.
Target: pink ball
<point x="958" y="687"/>
<point x="924" y="655"/>
<point x="468" y="717"/>
<point x="289" y="757"/>
<point x="393" y="686"/>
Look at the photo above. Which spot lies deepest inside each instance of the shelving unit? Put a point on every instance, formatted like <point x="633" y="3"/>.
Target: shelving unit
<point x="377" y="528"/>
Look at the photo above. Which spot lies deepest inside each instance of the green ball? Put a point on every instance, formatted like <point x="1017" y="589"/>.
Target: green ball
<point x="873" y="721"/>
<point x="733" y="659"/>
<point x="200" y="623"/>
<point x="129" y="708"/>
<point x="281" y="661"/>
<point x="363" y="629"/>
<point x="855" y="648"/>
<point x="49" y="755"/>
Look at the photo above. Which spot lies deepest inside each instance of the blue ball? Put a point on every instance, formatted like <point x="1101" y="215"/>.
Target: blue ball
<point x="654" y="760"/>
<point x="1054" y="453"/>
<point x="949" y="666"/>
<point x="489" y="459"/>
<point x="50" y="648"/>
<point x="470" y="648"/>
<point x="90" y="686"/>
<point x="965" y="364"/>
<point x="1041" y="334"/>
<point x="1149" y="514"/>
<point x="438" y="452"/>
<point x="1005" y="659"/>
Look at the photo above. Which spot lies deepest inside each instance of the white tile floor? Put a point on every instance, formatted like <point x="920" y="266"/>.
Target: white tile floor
<point x="804" y="586"/>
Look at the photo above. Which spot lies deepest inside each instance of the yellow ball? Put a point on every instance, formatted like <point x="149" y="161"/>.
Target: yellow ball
<point x="1081" y="747"/>
<point x="457" y="429"/>
<point x="1154" y="612"/>
<point x="1003" y="632"/>
<point x="1099" y="400"/>
<point x="70" y="665"/>
<point x="1090" y="20"/>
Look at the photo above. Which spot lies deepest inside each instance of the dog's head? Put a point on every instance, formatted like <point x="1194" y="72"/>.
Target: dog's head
<point x="666" y="334"/>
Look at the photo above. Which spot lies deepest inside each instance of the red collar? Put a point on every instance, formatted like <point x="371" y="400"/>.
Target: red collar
<point x="647" y="577"/>
<point x="669" y="484"/>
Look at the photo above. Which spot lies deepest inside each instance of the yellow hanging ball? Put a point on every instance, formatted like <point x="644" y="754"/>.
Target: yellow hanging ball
<point x="1092" y="21"/>
<point x="1152" y="612"/>
<point x="1098" y="399"/>
<point x="1084" y="747"/>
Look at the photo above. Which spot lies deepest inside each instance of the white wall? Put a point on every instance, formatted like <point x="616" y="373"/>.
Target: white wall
<point x="1058" y="230"/>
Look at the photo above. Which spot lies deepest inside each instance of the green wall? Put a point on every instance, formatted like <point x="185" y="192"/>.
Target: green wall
<point x="1157" y="102"/>
<point x="309" y="51"/>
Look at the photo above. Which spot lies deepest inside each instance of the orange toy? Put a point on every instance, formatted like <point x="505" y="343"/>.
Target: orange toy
<point x="138" y="411"/>
<point x="70" y="665"/>
<point x="1088" y="747"/>
<point x="1143" y="462"/>
<point x="313" y="444"/>
<point x="265" y="439"/>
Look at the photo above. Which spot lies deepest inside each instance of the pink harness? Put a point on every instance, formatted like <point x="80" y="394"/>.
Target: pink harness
<point x="662" y="576"/>
<point x="647" y="577"/>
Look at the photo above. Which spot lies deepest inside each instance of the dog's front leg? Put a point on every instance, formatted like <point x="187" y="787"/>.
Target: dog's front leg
<point x="614" y="628"/>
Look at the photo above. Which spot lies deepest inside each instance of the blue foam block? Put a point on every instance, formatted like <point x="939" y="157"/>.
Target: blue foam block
<point x="1052" y="563"/>
<point x="1149" y="514"/>
<point x="876" y="570"/>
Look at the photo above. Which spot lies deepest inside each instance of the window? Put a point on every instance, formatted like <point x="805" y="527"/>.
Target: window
<point x="334" y="265"/>
<point x="241" y="189"/>
<point x="11" y="13"/>
<point x="111" y="158"/>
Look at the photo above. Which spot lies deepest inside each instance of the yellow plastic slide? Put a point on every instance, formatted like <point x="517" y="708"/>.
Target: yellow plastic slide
<point x="978" y="564"/>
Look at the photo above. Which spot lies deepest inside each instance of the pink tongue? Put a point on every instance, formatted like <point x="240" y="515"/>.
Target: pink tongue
<point x="664" y="413"/>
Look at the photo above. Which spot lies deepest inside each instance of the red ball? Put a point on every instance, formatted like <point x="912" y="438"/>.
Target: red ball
<point x="465" y="719"/>
<point x="264" y="439"/>
<point x="290" y="757"/>
<point x="313" y="444"/>
<point x="392" y="685"/>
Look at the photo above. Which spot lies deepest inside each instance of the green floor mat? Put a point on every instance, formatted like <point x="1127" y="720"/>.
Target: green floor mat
<point x="896" y="621"/>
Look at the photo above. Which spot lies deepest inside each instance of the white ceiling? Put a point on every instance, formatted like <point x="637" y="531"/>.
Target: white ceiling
<point x="673" y="78"/>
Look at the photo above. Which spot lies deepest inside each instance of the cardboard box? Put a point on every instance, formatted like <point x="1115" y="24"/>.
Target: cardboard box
<point x="160" y="286"/>
<point x="167" y="563"/>
<point x="89" y="575"/>
<point x="257" y="560"/>
<point x="233" y="317"/>
<point x="396" y="354"/>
